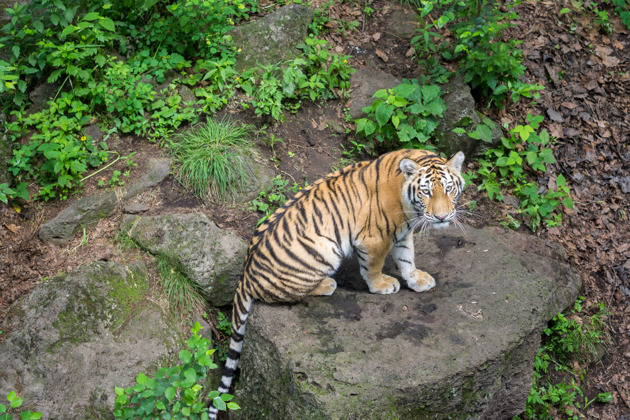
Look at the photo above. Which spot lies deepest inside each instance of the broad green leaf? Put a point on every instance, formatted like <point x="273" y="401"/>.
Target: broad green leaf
<point x="170" y="393"/>
<point x="108" y="24"/>
<point x="233" y="406"/>
<point x="430" y="92"/>
<point x="561" y="181"/>
<point x="67" y="31"/>
<point x="91" y="16"/>
<point x="484" y="132"/>
<point x="383" y="113"/>
<point x="185" y="356"/>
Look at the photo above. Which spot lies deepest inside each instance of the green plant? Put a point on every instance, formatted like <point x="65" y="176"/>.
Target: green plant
<point x="182" y="293"/>
<point x="526" y="149"/>
<point x="492" y="67"/>
<point x="404" y="116"/>
<point x="622" y="8"/>
<point x="273" y="197"/>
<point x="58" y="153"/>
<point x="213" y="158"/>
<point x="175" y="392"/>
<point x="224" y="325"/>
<point x="568" y="337"/>
<point x="14" y="403"/>
<point x="510" y="223"/>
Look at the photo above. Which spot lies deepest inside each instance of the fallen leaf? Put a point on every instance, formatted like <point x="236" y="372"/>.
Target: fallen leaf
<point x="410" y="52"/>
<point x="556" y="130"/>
<point x="382" y="55"/>
<point x="13" y="228"/>
<point x="607" y="59"/>
<point x="554" y="115"/>
<point x="376" y="36"/>
<point x="569" y="105"/>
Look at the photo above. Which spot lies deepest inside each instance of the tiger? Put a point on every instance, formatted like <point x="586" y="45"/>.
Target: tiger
<point x="367" y="209"/>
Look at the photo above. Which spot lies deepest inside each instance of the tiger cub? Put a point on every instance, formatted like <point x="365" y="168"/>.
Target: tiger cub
<point x="370" y="209"/>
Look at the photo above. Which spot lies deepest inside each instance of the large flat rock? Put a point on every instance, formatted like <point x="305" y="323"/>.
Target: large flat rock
<point x="464" y="349"/>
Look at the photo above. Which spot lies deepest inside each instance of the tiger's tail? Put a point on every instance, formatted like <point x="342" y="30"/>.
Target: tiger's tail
<point x="240" y="312"/>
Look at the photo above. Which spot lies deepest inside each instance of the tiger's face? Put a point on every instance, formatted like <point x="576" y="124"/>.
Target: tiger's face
<point x="432" y="187"/>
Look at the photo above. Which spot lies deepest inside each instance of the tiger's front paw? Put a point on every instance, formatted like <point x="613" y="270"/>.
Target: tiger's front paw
<point x="384" y="285"/>
<point x="419" y="281"/>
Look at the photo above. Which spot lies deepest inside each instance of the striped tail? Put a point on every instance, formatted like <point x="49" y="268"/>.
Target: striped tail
<point x="240" y="313"/>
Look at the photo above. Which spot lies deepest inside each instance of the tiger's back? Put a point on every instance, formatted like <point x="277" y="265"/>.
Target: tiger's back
<point x="369" y="209"/>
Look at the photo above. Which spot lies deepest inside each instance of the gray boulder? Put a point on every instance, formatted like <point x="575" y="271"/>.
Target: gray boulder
<point x="89" y="210"/>
<point x="159" y="168"/>
<point x="273" y="38"/>
<point x="466" y="348"/>
<point x="210" y="257"/>
<point x="364" y="83"/>
<point x="460" y="111"/>
<point x="403" y="23"/>
<point x="75" y="337"/>
<point x="82" y="213"/>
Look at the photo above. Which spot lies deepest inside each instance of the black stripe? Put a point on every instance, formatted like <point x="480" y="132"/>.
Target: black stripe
<point x="405" y="261"/>
<point x="234" y="354"/>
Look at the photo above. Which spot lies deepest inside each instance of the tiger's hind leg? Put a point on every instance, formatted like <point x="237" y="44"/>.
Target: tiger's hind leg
<point x="403" y="254"/>
<point x="326" y="288"/>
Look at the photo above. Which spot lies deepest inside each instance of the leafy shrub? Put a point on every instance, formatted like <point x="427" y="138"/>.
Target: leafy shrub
<point x="404" y="116"/>
<point x="58" y="153"/>
<point x="15" y="402"/>
<point x="273" y="197"/>
<point x="176" y="392"/>
<point x="567" y="339"/>
<point x="492" y="67"/>
<point x="506" y="165"/>
<point x="316" y="75"/>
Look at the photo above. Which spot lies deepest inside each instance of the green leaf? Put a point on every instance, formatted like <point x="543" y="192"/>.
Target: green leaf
<point x="430" y="92"/>
<point x="108" y="24"/>
<point x="383" y="113"/>
<point x="91" y="16"/>
<point x="219" y="404"/>
<point x="185" y="356"/>
<point x="170" y="393"/>
<point x="561" y="181"/>
<point x="141" y="378"/>
<point x="484" y="132"/>
<point x="568" y="203"/>
<point x="226" y="397"/>
<point x="67" y="31"/>
<point x="604" y="397"/>
<point x="16" y="51"/>
<point x="233" y="406"/>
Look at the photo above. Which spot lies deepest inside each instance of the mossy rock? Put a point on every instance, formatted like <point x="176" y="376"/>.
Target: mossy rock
<point x="75" y="337"/>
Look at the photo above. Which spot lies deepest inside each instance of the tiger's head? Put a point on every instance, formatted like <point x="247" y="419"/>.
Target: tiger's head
<point x="432" y="187"/>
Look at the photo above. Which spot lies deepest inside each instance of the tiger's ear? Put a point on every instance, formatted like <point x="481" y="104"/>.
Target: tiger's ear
<point x="455" y="162"/>
<point x="408" y="167"/>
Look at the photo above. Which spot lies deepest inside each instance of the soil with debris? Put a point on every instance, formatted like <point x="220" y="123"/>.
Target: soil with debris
<point x="585" y="103"/>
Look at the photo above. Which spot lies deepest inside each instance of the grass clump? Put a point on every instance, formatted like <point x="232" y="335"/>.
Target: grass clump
<point x="182" y="293"/>
<point x="212" y="159"/>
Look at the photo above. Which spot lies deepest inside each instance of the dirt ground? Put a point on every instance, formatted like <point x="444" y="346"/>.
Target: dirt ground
<point x="585" y="105"/>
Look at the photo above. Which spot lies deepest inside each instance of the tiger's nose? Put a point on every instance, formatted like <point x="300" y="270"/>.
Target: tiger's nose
<point x="441" y="218"/>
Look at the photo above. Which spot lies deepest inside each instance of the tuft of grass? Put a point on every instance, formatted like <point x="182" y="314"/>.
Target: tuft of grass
<point x="212" y="160"/>
<point x="182" y="293"/>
